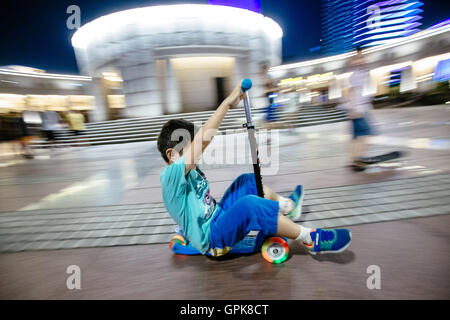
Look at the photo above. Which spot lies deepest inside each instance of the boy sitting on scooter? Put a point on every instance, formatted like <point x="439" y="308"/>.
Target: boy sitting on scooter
<point x="216" y="227"/>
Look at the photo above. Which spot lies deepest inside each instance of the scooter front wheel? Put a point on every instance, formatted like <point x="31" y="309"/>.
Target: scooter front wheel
<point x="275" y="250"/>
<point x="177" y="239"/>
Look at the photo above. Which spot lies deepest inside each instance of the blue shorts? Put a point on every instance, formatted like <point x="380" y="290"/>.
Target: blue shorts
<point x="242" y="211"/>
<point x="360" y="128"/>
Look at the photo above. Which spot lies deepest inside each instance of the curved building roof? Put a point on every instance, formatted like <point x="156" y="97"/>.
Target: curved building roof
<point x="170" y="17"/>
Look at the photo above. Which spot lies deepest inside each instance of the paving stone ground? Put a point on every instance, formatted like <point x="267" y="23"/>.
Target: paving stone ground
<point x="100" y="208"/>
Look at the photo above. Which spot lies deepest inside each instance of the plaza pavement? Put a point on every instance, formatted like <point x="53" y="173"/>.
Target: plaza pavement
<point x="100" y="208"/>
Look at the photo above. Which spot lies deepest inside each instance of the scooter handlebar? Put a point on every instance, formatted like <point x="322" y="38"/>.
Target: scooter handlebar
<point x="246" y="84"/>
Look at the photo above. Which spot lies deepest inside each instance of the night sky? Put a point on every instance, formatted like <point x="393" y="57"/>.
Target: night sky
<point x="34" y="33"/>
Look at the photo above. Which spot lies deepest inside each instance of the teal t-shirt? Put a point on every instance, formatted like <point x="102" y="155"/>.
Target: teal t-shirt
<point x="188" y="201"/>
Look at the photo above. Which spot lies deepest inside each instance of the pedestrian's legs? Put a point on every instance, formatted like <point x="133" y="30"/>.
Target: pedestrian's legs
<point x="359" y="147"/>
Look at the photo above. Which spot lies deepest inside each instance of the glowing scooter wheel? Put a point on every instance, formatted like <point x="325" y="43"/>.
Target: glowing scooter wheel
<point x="275" y="250"/>
<point x="177" y="239"/>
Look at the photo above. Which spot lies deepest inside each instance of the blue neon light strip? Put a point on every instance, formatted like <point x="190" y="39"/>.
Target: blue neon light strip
<point x="390" y="22"/>
<point x="440" y="24"/>
<point x="252" y="5"/>
<point x="442" y="71"/>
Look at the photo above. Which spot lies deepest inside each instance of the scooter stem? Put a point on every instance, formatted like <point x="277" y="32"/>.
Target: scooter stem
<point x="246" y="85"/>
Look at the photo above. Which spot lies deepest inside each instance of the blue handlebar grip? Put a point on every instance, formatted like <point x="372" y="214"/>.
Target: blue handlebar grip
<point x="246" y="84"/>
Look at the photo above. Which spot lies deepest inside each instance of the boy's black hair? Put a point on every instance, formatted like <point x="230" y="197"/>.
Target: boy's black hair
<point x="167" y="139"/>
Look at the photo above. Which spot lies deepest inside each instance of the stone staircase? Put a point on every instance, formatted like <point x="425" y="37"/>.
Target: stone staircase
<point x="148" y="128"/>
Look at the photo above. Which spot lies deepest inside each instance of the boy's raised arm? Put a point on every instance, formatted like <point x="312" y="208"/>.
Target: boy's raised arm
<point x="204" y="136"/>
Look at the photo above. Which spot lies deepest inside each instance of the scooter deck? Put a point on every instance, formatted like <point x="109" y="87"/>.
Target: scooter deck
<point x="250" y="244"/>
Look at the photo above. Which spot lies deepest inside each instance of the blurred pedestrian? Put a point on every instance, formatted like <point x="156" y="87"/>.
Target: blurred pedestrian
<point x="271" y="92"/>
<point x="75" y="120"/>
<point x="357" y="104"/>
<point x="291" y="108"/>
<point x="51" y="122"/>
<point x="25" y="137"/>
<point x="14" y="130"/>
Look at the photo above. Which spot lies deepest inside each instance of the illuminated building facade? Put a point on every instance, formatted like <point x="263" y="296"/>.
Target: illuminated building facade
<point x="416" y="63"/>
<point x="337" y="26"/>
<point x="347" y="24"/>
<point x="24" y="88"/>
<point x="380" y="22"/>
<point x="176" y="58"/>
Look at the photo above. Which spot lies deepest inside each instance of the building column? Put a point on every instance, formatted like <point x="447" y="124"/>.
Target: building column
<point x="172" y="91"/>
<point x="305" y="96"/>
<point x="140" y="85"/>
<point x="371" y="86"/>
<point x="100" y="111"/>
<point x="334" y="89"/>
<point x="407" y="80"/>
<point x="255" y="57"/>
<point x="240" y="71"/>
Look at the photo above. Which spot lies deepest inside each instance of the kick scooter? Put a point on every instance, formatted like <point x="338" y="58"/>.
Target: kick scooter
<point x="273" y="249"/>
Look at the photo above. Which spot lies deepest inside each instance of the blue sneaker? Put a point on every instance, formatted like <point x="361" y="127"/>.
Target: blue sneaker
<point x="329" y="241"/>
<point x="297" y="197"/>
